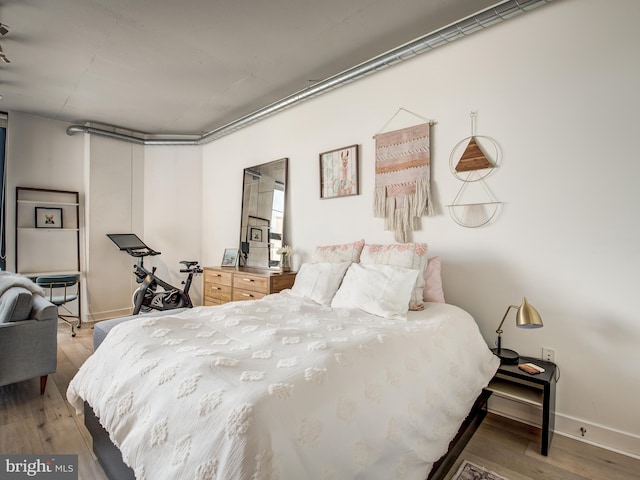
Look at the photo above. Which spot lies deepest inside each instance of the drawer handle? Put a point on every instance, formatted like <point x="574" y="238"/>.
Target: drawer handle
<point x="247" y="295"/>
<point x="248" y="279"/>
<point x="216" y="288"/>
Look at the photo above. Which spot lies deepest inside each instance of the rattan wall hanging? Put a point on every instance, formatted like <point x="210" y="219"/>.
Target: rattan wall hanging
<point x="472" y="160"/>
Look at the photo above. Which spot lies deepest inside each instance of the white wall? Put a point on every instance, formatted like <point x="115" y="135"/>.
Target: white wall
<point x="154" y="192"/>
<point x="173" y="211"/>
<point x="557" y="88"/>
<point x="39" y="155"/>
<point x="114" y="204"/>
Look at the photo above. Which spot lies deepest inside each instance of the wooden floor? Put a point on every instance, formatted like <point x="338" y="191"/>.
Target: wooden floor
<point x="34" y="424"/>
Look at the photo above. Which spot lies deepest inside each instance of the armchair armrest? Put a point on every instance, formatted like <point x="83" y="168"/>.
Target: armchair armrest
<point x="28" y="349"/>
<point x="42" y="309"/>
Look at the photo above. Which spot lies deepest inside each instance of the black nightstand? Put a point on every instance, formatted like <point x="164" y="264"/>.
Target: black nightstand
<point x="540" y="390"/>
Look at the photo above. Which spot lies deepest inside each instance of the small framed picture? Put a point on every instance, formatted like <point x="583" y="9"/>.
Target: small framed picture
<point x="230" y="257"/>
<point x="48" y="217"/>
<point x="339" y="172"/>
<point x="255" y="234"/>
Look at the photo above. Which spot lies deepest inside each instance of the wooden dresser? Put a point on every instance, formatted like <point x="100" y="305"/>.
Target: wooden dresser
<point x="226" y="284"/>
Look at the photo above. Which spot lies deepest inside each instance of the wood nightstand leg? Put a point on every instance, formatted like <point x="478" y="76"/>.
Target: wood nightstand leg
<point x="548" y="416"/>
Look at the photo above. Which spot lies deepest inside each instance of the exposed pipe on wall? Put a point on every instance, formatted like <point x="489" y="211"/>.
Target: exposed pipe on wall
<point x="443" y="36"/>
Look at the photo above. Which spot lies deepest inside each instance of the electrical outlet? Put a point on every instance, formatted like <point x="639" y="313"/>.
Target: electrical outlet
<point x="548" y="354"/>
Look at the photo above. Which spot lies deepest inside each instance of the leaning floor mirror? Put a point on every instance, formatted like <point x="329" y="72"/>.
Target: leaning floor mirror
<point x="263" y="212"/>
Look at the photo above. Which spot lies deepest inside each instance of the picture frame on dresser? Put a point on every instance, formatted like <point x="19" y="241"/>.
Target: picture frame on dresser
<point x="48" y="217"/>
<point x="230" y="257"/>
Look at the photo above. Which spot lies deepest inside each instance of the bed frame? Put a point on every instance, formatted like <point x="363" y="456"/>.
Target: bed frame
<point x="111" y="459"/>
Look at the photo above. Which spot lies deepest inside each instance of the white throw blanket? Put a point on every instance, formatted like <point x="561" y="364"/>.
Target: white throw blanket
<point x="9" y="280"/>
<point x="282" y="388"/>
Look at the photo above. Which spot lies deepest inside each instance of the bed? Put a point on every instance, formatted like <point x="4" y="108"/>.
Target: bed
<point x="286" y="387"/>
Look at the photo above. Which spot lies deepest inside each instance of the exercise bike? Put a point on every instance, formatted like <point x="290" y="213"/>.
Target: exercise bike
<point x="147" y="297"/>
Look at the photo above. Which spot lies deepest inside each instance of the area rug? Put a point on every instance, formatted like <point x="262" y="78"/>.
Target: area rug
<point x="471" y="471"/>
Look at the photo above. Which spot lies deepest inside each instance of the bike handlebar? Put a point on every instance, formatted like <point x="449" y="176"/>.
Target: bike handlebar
<point x="142" y="253"/>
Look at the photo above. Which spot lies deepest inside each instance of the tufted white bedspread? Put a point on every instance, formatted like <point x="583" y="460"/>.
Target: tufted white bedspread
<point x="282" y="388"/>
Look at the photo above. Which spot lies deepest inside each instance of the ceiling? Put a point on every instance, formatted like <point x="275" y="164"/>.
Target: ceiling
<point x="191" y="66"/>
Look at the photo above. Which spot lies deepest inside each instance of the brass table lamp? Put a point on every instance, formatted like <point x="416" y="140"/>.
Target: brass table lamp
<point x="526" y="317"/>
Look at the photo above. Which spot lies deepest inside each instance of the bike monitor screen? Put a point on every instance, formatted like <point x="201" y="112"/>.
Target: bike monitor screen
<point x="126" y="241"/>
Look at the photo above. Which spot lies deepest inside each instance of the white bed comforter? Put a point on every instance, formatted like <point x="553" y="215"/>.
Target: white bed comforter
<point x="282" y="388"/>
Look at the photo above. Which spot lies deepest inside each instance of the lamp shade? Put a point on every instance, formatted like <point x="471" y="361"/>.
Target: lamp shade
<point x="527" y="316"/>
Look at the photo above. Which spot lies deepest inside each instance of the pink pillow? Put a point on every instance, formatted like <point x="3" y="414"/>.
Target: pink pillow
<point x="346" y="252"/>
<point x="433" y="291"/>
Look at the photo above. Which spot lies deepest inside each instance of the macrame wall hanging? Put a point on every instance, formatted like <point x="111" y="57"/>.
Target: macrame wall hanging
<point x="403" y="176"/>
<point x="471" y="161"/>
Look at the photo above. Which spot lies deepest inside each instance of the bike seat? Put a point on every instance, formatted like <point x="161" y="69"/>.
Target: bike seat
<point x="188" y="263"/>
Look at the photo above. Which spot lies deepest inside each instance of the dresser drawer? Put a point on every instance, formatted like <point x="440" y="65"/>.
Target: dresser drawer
<point x="218" y="292"/>
<point x="209" y="302"/>
<point x="253" y="283"/>
<point x="282" y="281"/>
<point x="218" y="277"/>
<point x="239" y="294"/>
<point x="222" y="285"/>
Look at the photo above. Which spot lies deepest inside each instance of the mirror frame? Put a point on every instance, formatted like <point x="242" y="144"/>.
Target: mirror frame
<point x="245" y="228"/>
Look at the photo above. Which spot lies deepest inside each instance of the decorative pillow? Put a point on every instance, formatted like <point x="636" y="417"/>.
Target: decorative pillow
<point x="433" y="291"/>
<point x="346" y="252"/>
<point x="15" y="305"/>
<point x="382" y="290"/>
<point x="319" y="281"/>
<point x="408" y="255"/>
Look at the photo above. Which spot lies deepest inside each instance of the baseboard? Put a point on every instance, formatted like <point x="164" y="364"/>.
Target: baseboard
<point x="96" y="317"/>
<point x="617" y="441"/>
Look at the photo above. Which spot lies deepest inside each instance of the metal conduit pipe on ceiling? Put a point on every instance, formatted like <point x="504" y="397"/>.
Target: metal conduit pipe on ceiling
<point x="443" y="36"/>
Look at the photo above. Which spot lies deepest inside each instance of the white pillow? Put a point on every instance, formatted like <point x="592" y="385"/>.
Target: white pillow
<point x="408" y="255"/>
<point x="383" y="290"/>
<point x="319" y="281"/>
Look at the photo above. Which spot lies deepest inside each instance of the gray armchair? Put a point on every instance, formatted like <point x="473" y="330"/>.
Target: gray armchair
<point x="28" y="337"/>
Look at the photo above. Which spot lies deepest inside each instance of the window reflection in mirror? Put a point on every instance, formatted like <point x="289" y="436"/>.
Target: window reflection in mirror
<point x="263" y="212"/>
